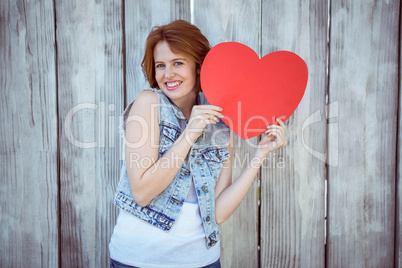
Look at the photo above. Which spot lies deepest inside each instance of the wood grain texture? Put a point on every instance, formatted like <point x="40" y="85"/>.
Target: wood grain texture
<point x="91" y="88"/>
<point x="398" y="189"/>
<point x="28" y="126"/>
<point x="364" y="81"/>
<point x="141" y="16"/>
<point x="88" y="60"/>
<point x="223" y="21"/>
<point x="293" y="180"/>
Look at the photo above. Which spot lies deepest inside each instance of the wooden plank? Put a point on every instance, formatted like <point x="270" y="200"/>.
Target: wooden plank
<point x="222" y="21"/>
<point x="91" y="88"/>
<point x="293" y="179"/>
<point x="398" y="199"/>
<point x="364" y="81"/>
<point x="141" y="17"/>
<point x="28" y="151"/>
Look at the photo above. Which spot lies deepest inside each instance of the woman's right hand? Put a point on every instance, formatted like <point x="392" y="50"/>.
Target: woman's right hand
<point x="201" y="116"/>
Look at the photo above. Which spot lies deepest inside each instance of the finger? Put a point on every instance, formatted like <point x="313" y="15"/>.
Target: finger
<point x="211" y="121"/>
<point x="215" y="119"/>
<point x="206" y="118"/>
<point x="279" y="134"/>
<point x="208" y="111"/>
<point x="283" y="134"/>
<point x="272" y="131"/>
<point x="279" y="128"/>
<point x="212" y="107"/>
<point x="215" y="113"/>
<point x="279" y="138"/>
<point x="274" y="126"/>
<point x="271" y="140"/>
<point x="280" y="122"/>
<point x="210" y="118"/>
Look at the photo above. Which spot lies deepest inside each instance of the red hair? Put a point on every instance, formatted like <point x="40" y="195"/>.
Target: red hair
<point x="182" y="37"/>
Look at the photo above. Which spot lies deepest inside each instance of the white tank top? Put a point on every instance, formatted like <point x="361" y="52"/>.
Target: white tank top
<point x="138" y="243"/>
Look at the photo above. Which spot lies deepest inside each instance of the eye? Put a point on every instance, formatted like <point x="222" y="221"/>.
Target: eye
<point x="159" y="65"/>
<point x="178" y="63"/>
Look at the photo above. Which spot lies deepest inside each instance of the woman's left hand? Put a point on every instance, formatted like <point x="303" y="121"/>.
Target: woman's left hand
<point x="273" y="139"/>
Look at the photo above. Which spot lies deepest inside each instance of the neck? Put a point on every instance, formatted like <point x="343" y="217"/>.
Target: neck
<point x="186" y="105"/>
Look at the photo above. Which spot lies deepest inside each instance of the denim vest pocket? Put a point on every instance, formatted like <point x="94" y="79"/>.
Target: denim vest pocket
<point x="214" y="158"/>
<point x="168" y="135"/>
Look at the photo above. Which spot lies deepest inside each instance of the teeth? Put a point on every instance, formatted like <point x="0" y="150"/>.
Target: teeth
<point x="173" y="84"/>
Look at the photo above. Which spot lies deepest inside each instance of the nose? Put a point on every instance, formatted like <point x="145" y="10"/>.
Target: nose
<point x="169" y="73"/>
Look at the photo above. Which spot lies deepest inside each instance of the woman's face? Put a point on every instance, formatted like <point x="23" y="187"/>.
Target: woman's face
<point x="174" y="73"/>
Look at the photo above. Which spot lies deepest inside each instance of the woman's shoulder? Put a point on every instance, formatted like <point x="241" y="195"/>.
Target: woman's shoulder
<point x="152" y="95"/>
<point x="146" y="96"/>
<point x="145" y="99"/>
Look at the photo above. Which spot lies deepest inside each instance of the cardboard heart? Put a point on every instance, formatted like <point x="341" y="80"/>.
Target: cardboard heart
<point x="253" y="92"/>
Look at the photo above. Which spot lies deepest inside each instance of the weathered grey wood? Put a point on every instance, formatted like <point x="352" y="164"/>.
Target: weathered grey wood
<point x="222" y="21"/>
<point x="364" y="83"/>
<point x="141" y="16"/>
<point x="398" y="203"/>
<point x="28" y="126"/>
<point x="90" y="80"/>
<point x="293" y="178"/>
<point x="363" y="98"/>
<point x="398" y="190"/>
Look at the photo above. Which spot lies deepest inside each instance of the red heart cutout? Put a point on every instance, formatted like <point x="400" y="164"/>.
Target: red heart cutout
<point x="253" y="91"/>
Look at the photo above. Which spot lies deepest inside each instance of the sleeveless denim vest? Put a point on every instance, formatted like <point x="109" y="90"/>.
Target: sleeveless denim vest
<point x="204" y="163"/>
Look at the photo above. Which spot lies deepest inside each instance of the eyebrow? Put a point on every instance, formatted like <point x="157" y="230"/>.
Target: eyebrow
<point x="172" y="60"/>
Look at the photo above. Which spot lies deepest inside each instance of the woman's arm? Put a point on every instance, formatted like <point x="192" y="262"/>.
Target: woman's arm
<point x="228" y="195"/>
<point x="149" y="176"/>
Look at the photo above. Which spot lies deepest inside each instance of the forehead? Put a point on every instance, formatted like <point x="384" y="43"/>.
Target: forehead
<point x="162" y="51"/>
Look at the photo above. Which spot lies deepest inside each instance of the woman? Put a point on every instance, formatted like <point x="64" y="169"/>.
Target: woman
<point x="176" y="180"/>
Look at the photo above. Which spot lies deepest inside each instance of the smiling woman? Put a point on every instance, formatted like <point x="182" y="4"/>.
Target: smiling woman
<point x="176" y="76"/>
<point x="171" y="206"/>
<point x="181" y="37"/>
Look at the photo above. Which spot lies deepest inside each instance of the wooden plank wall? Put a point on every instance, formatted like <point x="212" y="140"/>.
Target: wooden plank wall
<point x="238" y="21"/>
<point x="293" y="181"/>
<point x="141" y="16"/>
<point x="70" y="67"/>
<point x="363" y="75"/>
<point x="29" y="234"/>
<point x="398" y="185"/>
<point x="90" y="90"/>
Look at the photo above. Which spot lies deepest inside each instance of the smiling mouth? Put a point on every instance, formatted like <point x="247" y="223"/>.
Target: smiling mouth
<point x="173" y="85"/>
